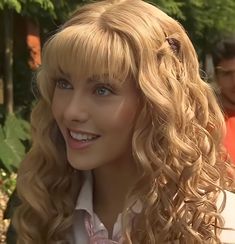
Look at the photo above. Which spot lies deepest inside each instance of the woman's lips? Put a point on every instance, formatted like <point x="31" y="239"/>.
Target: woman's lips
<point x="80" y="144"/>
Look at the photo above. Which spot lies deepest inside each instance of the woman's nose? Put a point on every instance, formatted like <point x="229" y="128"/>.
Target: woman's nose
<point x="77" y="109"/>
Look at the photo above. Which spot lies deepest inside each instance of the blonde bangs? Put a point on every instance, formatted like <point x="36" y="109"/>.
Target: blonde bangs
<point x="85" y="51"/>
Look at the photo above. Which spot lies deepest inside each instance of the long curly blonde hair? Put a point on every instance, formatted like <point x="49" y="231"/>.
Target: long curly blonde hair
<point x="177" y="140"/>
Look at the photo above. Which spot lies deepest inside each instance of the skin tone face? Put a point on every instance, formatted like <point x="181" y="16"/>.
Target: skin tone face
<point x="225" y="74"/>
<point x="96" y="119"/>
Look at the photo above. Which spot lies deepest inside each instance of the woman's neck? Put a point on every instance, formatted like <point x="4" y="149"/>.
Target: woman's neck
<point x="112" y="183"/>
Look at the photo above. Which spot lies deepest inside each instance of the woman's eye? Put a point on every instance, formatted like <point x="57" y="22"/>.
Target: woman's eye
<point x="103" y="91"/>
<point x="63" y="84"/>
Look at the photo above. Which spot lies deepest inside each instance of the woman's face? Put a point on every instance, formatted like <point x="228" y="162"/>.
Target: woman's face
<point x="96" y="119"/>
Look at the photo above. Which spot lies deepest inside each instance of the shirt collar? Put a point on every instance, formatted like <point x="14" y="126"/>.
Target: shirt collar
<point x="85" y="197"/>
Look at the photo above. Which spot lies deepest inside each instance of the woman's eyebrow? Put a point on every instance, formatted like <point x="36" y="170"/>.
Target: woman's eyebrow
<point x="62" y="73"/>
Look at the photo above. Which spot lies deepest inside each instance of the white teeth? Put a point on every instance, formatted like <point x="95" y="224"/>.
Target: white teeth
<point x="81" y="137"/>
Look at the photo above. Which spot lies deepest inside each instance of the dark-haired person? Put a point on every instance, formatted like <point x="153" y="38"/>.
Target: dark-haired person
<point x="224" y="63"/>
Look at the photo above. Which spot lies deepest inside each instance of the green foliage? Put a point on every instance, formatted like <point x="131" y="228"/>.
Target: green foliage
<point x="7" y="182"/>
<point x="37" y="8"/>
<point x="171" y="7"/>
<point x="206" y="21"/>
<point x="13" y="134"/>
<point x="55" y="9"/>
<point x="28" y="6"/>
<point x="11" y="4"/>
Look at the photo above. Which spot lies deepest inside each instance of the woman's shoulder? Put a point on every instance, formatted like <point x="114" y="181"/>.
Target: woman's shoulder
<point x="228" y="213"/>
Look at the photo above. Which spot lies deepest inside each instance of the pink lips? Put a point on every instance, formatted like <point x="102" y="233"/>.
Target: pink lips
<point x="75" y="144"/>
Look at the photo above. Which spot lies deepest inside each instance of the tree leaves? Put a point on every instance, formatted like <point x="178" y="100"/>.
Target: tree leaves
<point x="206" y="21"/>
<point x="171" y="7"/>
<point x="11" y="4"/>
<point x="25" y="7"/>
<point x="12" y="135"/>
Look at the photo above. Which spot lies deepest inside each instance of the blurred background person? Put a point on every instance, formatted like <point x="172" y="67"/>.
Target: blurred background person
<point x="224" y="63"/>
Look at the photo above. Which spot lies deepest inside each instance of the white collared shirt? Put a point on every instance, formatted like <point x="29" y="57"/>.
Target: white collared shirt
<point x="228" y="236"/>
<point x="84" y="205"/>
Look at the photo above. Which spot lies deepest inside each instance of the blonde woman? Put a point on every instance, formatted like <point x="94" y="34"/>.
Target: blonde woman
<point x="126" y="136"/>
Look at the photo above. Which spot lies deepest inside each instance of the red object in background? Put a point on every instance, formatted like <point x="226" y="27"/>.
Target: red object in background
<point x="34" y="44"/>
<point x="230" y="134"/>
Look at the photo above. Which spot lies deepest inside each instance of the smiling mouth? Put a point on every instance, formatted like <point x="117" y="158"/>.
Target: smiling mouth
<point x="83" y="137"/>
